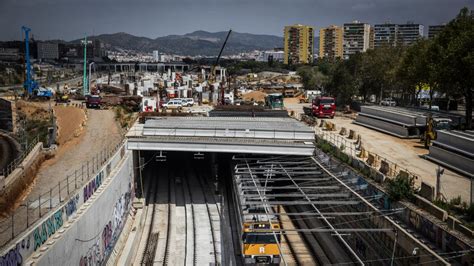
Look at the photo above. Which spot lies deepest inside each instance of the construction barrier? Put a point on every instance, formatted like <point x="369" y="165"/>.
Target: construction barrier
<point x="343" y="131"/>
<point x="352" y="134"/>
<point x="384" y="167"/>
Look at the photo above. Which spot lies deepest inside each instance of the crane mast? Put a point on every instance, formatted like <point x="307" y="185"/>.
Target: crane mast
<point x="29" y="84"/>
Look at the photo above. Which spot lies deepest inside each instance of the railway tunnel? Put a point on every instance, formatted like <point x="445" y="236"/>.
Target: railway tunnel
<point x="212" y="198"/>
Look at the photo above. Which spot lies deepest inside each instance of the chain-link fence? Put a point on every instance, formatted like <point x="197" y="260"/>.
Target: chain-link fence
<point x="37" y="206"/>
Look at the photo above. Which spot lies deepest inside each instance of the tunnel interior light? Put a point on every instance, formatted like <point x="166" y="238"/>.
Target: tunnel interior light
<point x="160" y="157"/>
<point x="198" y="156"/>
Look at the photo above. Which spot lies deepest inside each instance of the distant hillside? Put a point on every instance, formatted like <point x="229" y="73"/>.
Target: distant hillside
<point x="195" y="43"/>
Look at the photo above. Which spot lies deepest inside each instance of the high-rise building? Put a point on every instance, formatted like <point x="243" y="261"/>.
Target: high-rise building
<point x="356" y="38"/>
<point x="409" y="33"/>
<point x="330" y="42"/>
<point x="156" y="56"/>
<point x="434" y="30"/>
<point x="98" y="51"/>
<point x="299" y="44"/>
<point x="48" y="50"/>
<point x="385" y="35"/>
<point x="371" y="38"/>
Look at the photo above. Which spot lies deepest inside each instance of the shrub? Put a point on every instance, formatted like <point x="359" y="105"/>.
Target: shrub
<point x="401" y="187"/>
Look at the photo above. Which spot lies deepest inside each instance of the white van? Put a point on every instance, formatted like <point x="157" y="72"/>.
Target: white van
<point x="173" y="104"/>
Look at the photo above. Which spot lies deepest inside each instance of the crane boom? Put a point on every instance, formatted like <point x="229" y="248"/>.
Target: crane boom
<point x="222" y="48"/>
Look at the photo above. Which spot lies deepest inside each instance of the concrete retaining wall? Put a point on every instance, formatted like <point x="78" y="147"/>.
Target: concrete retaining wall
<point x="90" y="238"/>
<point x="19" y="172"/>
<point x="6" y="115"/>
<point x="36" y="243"/>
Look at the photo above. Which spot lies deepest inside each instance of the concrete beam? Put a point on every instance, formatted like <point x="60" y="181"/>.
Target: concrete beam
<point x="224" y="147"/>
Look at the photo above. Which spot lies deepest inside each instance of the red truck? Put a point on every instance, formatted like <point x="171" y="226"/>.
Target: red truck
<point x="93" y="101"/>
<point x="323" y="107"/>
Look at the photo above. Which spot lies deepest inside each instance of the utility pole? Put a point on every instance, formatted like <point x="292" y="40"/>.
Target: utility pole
<point x="84" y="80"/>
<point x="439" y="172"/>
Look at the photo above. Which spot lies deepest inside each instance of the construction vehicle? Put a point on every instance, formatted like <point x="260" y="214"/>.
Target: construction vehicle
<point x="62" y="96"/>
<point x="323" y="107"/>
<point x="33" y="90"/>
<point x="432" y="125"/>
<point x="274" y="101"/>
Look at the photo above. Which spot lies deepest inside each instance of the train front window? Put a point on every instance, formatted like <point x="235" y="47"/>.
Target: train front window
<point x="254" y="238"/>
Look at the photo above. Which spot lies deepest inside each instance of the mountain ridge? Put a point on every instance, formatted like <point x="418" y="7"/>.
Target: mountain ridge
<point x="195" y="43"/>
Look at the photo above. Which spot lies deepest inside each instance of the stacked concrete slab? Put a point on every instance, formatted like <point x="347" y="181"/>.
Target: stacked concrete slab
<point x="391" y="120"/>
<point x="455" y="150"/>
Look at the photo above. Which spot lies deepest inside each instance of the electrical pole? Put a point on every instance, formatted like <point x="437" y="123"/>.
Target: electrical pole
<point x="84" y="81"/>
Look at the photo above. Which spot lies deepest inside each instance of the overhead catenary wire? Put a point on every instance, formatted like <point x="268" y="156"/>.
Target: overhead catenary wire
<point x="268" y="217"/>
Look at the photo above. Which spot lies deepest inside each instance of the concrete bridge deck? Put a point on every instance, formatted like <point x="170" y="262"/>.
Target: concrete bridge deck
<point x="279" y="136"/>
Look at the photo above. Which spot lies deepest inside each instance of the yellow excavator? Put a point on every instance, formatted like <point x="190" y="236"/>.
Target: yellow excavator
<point x="63" y="96"/>
<point x="432" y="125"/>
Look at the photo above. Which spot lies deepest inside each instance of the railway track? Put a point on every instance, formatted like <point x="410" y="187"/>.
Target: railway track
<point x="206" y="218"/>
<point x="180" y="212"/>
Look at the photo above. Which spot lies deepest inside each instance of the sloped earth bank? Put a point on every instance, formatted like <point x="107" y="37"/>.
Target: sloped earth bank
<point x="101" y="131"/>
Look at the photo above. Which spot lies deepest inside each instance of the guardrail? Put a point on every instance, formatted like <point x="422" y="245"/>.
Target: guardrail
<point x="32" y="210"/>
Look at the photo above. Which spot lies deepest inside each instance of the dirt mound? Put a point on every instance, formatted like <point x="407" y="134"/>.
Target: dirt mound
<point x="257" y="96"/>
<point x="70" y="121"/>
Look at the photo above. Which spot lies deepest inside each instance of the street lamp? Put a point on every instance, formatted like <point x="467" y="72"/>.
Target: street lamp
<point x="90" y="77"/>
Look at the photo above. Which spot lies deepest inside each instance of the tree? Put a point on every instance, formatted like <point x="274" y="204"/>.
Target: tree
<point x="311" y="77"/>
<point x="412" y="70"/>
<point x="342" y="84"/>
<point x="454" y="49"/>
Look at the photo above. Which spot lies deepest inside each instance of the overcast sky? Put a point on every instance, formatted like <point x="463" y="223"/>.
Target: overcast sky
<point x="71" y="19"/>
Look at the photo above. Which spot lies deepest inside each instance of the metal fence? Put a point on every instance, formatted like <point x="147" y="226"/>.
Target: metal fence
<point x="14" y="164"/>
<point x="37" y="206"/>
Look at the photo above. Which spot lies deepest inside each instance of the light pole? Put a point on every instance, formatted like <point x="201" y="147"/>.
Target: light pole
<point x="84" y="80"/>
<point x="90" y="76"/>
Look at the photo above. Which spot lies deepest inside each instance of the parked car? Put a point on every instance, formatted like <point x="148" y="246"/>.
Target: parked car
<point x="173" y="104"/>
<point x="324" y="107"/>
<point x="188" y="102"/>
<point x="388" y="102"/>
<point x="433" y="107"/>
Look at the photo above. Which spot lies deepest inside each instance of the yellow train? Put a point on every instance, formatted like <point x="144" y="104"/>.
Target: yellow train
<point x="259" y="226"/>
<point x="260" y="244"/>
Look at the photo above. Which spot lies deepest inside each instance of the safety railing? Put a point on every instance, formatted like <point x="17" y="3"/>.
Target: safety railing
<point x="37" y="206"/>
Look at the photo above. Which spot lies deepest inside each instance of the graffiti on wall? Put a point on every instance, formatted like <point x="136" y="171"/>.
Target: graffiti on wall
<point x="47" y="229"/>
<point x="71" y="206"/>
<point x="94" y="256"/>
<point x="93" y="185"/>
<point x="97" y="253"/>
<point x="13" y="257"/>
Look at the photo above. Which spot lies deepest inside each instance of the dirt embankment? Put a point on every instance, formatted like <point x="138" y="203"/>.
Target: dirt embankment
<point x="70" y="122"/>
